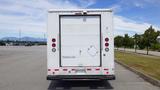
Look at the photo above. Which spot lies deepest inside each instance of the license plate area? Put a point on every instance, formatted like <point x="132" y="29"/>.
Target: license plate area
<point x="80" y="71"/>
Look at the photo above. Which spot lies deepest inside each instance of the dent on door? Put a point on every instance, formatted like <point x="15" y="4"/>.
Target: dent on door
<point x="92" y="51"/>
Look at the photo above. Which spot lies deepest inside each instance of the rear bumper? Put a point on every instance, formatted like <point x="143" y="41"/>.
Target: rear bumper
<point x="61" y="77"/>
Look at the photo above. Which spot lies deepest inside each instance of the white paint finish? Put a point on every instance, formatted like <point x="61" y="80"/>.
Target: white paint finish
<point x="80" y="42"/>
<point x="80" y="10"/>
<point x="53" y="32"/>
<point x="107" y="31"/>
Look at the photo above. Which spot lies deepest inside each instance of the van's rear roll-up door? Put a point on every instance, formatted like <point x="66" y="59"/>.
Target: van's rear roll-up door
<point x="80" y="40"/>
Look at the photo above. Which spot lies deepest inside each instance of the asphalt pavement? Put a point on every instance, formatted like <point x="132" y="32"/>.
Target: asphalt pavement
<point x="24" y="68"/>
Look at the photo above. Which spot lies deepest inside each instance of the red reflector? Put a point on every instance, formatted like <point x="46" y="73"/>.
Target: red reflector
<point x="53" y="45"/>
<point x="49" y="69"/>
<point x="106" y="72"/>
<point x="106" y="44"/>
<point x="97" y="69"/>
<point x="56" y="69"/>
<point x="64" y="69"/>
<point x="53" y="40"/>
<point x="106" y="69"/>
<point x="106" y="39"/>
<point x="88" y="69"/>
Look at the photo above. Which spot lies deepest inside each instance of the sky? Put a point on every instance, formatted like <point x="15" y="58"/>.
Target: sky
<point x="30" y="16"/>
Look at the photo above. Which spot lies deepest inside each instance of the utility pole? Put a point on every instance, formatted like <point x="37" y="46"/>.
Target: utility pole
<point x="44" y="36"/>
<point x="19" y="35"/>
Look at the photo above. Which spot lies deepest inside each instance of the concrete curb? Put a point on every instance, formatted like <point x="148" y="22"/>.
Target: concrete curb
<point x="144" y="76"/>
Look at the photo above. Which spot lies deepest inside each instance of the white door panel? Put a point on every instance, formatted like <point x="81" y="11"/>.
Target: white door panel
<point x="80" y="41"/>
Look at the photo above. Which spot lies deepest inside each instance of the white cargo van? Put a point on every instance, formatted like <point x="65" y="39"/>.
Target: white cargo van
<point x="80" y="44"/>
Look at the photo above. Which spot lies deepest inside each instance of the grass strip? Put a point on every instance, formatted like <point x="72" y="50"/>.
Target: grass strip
<point x="149" y="65"/>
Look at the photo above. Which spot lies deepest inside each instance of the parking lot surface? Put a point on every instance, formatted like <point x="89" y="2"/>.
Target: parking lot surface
<point x="24" y="68"/>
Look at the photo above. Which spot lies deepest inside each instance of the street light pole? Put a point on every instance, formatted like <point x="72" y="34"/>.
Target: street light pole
<point x="19" y="35"/>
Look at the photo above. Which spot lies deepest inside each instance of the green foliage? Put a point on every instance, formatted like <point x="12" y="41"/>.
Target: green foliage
<point x="147" y="40"/>
<point x="155" y="46"/>
<point x="148" y="65"/>
<point x="2" y="43"/>
<point x="118" y="41"/>
<point x="140" y="42"/>
<point x="22" y="43"/>
<point x="126" y="40"/>
<point x="150" y="36"/>
<point x="131" y="42"/>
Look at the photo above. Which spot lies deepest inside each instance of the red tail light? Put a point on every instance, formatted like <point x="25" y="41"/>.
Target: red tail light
<point x="106" y="69"/>
<point x="73" y="69"/>
<point x="53" y="45"/>
<point x="106" y="39"/>
<point x="56" y="69"/>
<point x="53" y="40"/>
<point x="97" y="69"/>
<point x="106" y="44"/>
<point x="64" y="69"/>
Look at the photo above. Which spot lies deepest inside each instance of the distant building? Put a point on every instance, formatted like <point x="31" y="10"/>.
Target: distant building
<point x="158" y="39"/>
<point x="9" y="44"/>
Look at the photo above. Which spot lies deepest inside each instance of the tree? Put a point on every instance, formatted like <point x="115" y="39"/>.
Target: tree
<point x="118" y="41"/>
<point x="135" y="42"/>
<point x="130" y="42"/>
<point x="140" y="42"/>
<point x="150" y="36"/>
<point x="2" y="43"/>
<point x="126" y="41"/>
